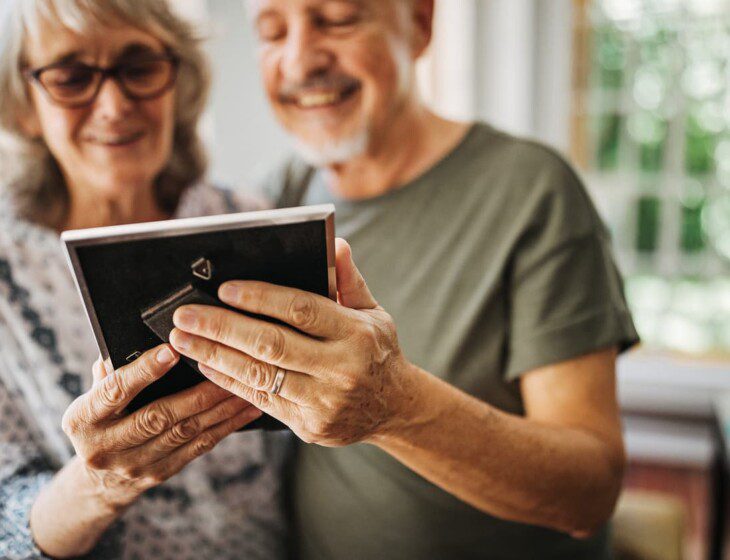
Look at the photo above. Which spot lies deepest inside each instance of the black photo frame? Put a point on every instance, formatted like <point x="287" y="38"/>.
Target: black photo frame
<point x="132" y="277"/>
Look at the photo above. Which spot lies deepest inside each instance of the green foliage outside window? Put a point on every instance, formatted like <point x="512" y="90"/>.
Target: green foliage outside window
<point x="658" y="104"/>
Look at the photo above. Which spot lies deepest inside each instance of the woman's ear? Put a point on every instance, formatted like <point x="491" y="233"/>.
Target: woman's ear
<point x="29" y="123"/>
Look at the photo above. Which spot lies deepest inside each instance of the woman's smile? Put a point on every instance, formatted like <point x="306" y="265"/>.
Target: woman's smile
<point x="116" y="140"/>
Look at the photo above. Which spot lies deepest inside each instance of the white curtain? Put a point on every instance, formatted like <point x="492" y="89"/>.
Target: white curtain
<point x="504" y="61"/>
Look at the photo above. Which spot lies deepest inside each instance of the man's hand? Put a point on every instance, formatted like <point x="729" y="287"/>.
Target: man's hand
<point x="346" y="379"/>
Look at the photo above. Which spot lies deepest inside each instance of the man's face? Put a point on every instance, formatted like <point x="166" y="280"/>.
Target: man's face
<point x="336" y="72"/>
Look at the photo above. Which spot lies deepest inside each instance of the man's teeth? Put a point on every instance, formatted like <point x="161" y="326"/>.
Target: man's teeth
<point x="318" y="99"/>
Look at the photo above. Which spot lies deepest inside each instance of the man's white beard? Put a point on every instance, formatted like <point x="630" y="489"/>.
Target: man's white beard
<point x="332" y="152"/>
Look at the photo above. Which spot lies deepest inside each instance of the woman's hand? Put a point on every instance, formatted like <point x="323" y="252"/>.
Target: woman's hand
<point x="124" y="455"/>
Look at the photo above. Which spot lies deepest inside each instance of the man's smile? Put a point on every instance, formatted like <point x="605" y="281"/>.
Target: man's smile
<point x="321" y="98"/>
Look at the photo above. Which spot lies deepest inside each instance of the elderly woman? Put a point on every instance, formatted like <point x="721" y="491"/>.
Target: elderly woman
<point x="100" y="102"/>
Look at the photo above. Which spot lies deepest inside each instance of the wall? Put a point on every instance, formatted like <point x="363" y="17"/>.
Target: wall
<point x="245" y="138"/>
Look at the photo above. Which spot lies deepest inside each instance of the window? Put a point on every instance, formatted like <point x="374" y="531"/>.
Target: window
<point x="651" y="128"/>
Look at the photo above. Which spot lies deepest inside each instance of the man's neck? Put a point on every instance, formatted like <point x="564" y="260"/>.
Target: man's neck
<point x="416" y="142"/>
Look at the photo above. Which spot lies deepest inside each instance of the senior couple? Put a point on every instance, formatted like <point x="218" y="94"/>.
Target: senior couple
<point x="458" y="401"/>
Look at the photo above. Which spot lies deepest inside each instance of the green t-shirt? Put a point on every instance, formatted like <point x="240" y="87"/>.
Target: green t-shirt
<point x="492" y="263"/>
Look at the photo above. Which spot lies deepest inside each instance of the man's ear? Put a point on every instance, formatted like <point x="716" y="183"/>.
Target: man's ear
<point x="421" y="14"/>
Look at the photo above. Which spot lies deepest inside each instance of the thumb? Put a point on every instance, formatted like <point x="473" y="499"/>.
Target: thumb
<point x="99" y="370"/>
<point x="352" y="291"/>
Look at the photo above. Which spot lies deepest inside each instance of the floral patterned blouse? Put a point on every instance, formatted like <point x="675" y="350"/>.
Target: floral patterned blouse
<point x="226" y="504"/>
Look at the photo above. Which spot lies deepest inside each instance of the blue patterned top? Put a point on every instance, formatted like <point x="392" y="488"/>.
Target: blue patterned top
<point x="226" y="504"/>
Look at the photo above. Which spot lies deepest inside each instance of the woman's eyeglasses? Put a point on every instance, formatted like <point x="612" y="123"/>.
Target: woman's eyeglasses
<point x="75" y="85"/>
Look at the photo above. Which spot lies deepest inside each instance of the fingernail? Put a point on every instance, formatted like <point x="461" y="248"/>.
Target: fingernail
<point x="184" y="318"/>
<point x="252" y="413"/>
<point x="180" y="339"/>
<point x="165" y="356"/>
<point x="229" y="292"/>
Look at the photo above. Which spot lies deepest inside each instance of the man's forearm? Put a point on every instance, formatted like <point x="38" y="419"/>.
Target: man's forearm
<point x="69" y="515"/>
<point x="508" y="466"/>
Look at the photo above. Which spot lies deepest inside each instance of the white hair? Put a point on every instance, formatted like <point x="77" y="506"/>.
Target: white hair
<point x="27" y="167"/>
<point x="333" y="152"/>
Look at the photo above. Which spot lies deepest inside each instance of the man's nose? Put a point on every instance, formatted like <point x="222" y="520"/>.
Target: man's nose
<point x="111" y="102"/>
<point x="304" y="54"/>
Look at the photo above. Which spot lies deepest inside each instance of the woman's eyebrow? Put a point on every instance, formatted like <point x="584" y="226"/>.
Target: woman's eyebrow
<point x="64" y="57"/>
<point x="130" y="50"/>
<point x="356" y="3"/>
<point x="136" y="49"/>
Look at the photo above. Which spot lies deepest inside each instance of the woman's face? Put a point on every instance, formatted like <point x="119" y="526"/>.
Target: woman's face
<point x="115" y="145"/>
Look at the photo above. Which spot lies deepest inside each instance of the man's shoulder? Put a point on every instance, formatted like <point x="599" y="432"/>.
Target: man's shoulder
<point x="525" y="161"/>
<point x="18" y="234"/>
<point x="528" y="169"/>
<point x="284" y="180"/>
<point x="525" y="179"/>
<point x="488" y="160"/>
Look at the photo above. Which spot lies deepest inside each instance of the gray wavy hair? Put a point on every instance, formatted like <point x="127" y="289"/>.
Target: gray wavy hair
<point x="27" y="168"/>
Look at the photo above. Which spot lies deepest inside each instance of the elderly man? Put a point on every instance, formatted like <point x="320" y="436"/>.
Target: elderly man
<point x="487" y="427"/>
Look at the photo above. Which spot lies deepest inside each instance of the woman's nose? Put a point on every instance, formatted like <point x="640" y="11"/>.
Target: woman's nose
<point x="111" y="102"/>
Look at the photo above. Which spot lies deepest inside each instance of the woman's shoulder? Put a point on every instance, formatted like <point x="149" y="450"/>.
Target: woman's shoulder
<point x="10" y="224"/>
<point x="205" y="199"/>
<point x="19" y="234"/>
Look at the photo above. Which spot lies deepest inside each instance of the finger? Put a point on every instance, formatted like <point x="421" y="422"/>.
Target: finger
<point x="205" y="442"/>
<point x="97" y="371"/>
<point x="113" y="393"/>
<point x="265" y="341"/>
<point x="183" y="432"/>
<point x="352" y="290"/>
<point x="241" y="367"/>
<point x="273" y="405"/>
<point x="310" y="313"/>
<point x="158" y="417"/>
<point x="296" y="387"/>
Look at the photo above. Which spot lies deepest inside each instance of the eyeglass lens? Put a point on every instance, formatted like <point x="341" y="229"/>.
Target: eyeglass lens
<point x="78" y="83"/>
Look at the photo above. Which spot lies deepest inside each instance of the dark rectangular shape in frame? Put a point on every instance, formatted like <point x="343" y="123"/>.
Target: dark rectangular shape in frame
<point x="122" y="272"/>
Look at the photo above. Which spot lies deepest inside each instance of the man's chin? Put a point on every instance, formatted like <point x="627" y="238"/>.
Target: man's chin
<point x="332" y="151"/>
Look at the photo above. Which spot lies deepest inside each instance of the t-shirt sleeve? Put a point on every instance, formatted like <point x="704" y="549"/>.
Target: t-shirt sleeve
<point x="565" y="291"/>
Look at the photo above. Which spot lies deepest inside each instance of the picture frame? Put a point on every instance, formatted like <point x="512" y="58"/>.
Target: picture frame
<point x="132" y="277"/>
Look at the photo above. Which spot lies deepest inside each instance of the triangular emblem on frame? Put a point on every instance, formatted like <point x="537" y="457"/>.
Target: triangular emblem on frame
<point x="202" y="268"/>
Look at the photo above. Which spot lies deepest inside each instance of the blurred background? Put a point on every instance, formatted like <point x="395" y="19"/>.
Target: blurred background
<point x="636" y="93"/>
